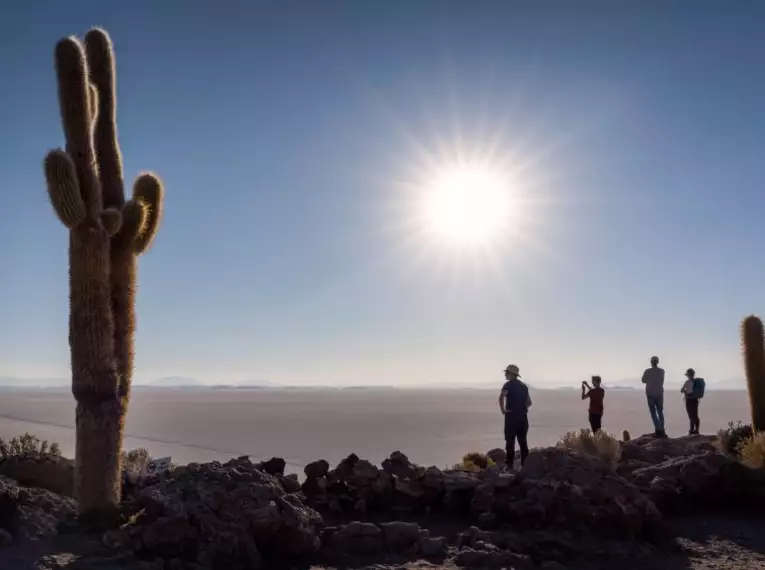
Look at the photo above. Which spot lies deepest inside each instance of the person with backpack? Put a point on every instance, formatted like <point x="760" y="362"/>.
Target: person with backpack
<point x="595" y="394"/>
<point x="693" y="391"/>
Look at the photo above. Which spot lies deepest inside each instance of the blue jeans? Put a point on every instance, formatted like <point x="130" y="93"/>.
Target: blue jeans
<point x="656" y="407"/>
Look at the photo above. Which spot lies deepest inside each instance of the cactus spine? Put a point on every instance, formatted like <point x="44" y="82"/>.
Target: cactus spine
<point x="106" y="233"/>
<point x="753" y="346"/>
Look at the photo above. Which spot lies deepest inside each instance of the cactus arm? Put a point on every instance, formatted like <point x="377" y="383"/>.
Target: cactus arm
<point x="93" y="103"/>
<point x="100" y="58"/>
<point x="148" y="190"/>
<point x="134" y="216"/>
<point x="64" y="189"/>
<point x="74" y="104"/>
<point x="111" y="221"/>
<point x="753" y="346"/>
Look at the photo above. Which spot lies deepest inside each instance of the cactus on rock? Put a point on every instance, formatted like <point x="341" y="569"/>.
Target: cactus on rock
<point x="106" y="233"/>
<point x="753" y="346"/>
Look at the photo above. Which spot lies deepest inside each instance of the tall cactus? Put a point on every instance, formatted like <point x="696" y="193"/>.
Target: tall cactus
<point x="753" y="346"/>
<point x="106" y="233"/>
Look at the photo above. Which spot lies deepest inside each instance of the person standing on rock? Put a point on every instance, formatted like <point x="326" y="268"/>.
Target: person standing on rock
<point x="595" y="394"/>
<point x="653" y="378"/>
<point x="693" y="391"/>
<point x="514" y="401"/>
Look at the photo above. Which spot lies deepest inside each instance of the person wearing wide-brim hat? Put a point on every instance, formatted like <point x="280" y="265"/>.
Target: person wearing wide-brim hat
<point x="514" y="401"/>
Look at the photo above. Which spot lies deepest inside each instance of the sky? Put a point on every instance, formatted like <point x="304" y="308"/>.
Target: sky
<point x="293" y="139"/>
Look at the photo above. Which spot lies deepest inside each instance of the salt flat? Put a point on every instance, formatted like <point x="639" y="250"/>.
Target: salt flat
<point x="433" y="427"/>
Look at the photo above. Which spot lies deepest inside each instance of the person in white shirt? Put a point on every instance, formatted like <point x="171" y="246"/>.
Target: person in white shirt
<point x="653" y="378"/>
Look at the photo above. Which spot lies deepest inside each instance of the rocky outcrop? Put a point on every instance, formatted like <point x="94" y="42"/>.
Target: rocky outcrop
<point x="229" y="515"/>
<point x="563" y="505"/>
<point x="31" y="514"/>
<point x="359" y="541"/>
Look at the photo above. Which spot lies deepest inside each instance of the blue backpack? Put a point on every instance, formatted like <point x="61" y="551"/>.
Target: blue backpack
<point x="697" y="391"/>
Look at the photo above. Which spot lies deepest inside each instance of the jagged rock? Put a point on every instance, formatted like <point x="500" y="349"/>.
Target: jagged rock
<point x="50" y="472"/>
<point x="490" y="473"/>
<point x="563" y="487"/>
<point x="498" y="456"/>
<point x="398" y="535"/>
<point x="433" y="479"/>
<point x="413" y="489"/>
<point x="552" y="565"/>
<point x="354" y="471"/>
<point x="651" y="450"/>
<point x="232" y="513"/>
<point x="357" y="538"/>
<point x="460" y="480"/>
<point x="483" y="499"/>
<point x="383" y="484"/>
<point x="433" y="547"/>
<point x="679" y="482"/>
<point x="274" y="466"/>
<point x="491" y="558"/>
<point x="291" y="483"/>
<point x="316" y="469"/>
<point x="472" y="536"/>
<point x="30" y="513"/>
<point x="398" y="465"/>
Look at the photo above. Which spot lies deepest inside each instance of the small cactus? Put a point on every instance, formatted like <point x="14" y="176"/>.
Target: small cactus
<point x="106" y="233"/>
<point x="753" y="347"/>
<point x="626" y="436"/>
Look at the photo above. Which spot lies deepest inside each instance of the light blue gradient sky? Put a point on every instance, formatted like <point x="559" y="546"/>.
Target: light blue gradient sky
<point x="285" y="132"/>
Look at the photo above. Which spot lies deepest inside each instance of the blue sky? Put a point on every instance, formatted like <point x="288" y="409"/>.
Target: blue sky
<point x="286" y="133"/>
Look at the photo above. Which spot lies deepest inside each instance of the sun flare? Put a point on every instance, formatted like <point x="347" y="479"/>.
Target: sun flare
<point x="466" y="205"/>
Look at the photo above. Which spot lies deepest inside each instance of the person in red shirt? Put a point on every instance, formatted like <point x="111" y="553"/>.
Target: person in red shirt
<point x="595" y="395"/>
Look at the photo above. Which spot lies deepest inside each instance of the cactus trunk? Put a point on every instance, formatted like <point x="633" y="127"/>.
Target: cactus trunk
<point x="98" y="448"/>
<point x="753" y="344"/>
<point x="123" y="287"/>
<point x="106" y="234"/>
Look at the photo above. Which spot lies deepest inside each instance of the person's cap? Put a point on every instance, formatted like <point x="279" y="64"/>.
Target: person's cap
<point x="690" y="372"/>
<point x="654" y="359"/>
<point x="512" y="369"/>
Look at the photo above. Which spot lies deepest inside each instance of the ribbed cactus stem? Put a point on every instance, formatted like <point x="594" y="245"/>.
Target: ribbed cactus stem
<point x="86" y="191"/>
<point x="93" y="102"/>
<point x="64" y="189"/>
<point x="148" y="191"/>
<point x="753" y="346"/>
<point x="98" y="46"/>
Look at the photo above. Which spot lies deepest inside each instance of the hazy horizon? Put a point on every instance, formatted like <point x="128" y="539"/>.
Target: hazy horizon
<point x="170" y="382"/>
<point x="408" y="193"/>
<point x="434" y="427"/>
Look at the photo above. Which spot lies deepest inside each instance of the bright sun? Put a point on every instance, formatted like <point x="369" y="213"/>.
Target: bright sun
<point x="466" y="205"/>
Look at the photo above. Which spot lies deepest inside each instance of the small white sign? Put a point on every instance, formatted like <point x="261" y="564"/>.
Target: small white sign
<point x="156" y="466"/>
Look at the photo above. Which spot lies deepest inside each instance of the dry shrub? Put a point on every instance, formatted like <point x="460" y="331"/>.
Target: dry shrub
<point x="752" y="451"/>
<point x="729" y="440"/>
<point x="473" y="462"/>
<point x="135" y="460"/>
<point x="600" y="444"/>
<point x="28" y="445"/>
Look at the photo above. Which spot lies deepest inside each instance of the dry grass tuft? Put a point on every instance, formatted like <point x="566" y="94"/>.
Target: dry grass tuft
<point x="729" y="440"/>
<point x="474" y="462"/>
<point x="600" y="444"/>
<point x="752" y="451"/>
